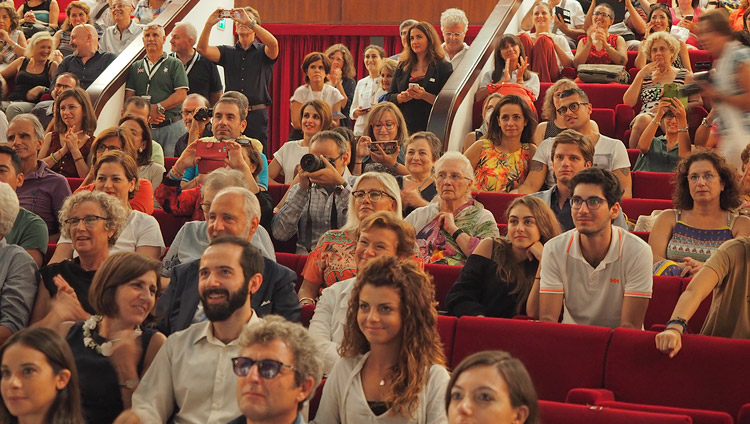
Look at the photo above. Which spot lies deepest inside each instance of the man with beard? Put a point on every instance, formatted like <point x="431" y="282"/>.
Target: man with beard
<point x="191" y="376"/>
<point x="234" y="211"/>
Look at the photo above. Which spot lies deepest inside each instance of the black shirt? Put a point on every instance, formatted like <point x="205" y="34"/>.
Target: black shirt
<point x="203" y="76"/>
<point x="248" y="71"/>
<point x="87" y="73"/>
<point x="416" y="112"/>
<point x="564" y="215"/>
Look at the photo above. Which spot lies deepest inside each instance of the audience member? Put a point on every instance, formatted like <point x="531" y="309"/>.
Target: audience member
<point x="631" y="25"/>
<point x="103" y="219"/>
<point x="660" y="19"/>
<point x="498" y="277"/>
<point x="318" y="202"/>
<point x="76" y="13"/>
<point x="148" y="10"/>
<point x="234" y="212"/>
<point x="13" y="40"/>
<point x="202" y="127"/>
<point x="571" y="153"/>
<point x="250" y="61"/>
<point x="571" y="28"/>
<point x="28" y="230"/>
<point x="403" y="30"/>
<point x="511" y="60"/>
<point x="501" y="159"/>
<point x="744" y="180"/>
<point x="148" y="169"/>
<point x="387" y="69"/>
<point x="315" y="116"/>
<point x="662" y="153"/>
<point x="554" y="123"/>
<point x="342" y="76"/>
<point x="41" y="12"/>
<point x="368" y="88"/>
<point x="598" y="46"/>
<point x="19" y="275"/>
<point x="43" y="191"/>
<point x="453" y="25"/>
<point x="140" y="107"/>
<point x="392" y="361"/>
<point x="51" y="393"/>
<point x="421" y="74"/>
<point x="113" y="348"/>
<point x="548" y="52"/>
<point x="123" y="30"/>
<point x="315" y="67"/>
<point x="164" y="80"/>
<point x="513" y="399"/>
<point x="381" y="148"/>
<point x="418" y="188"/>
<point x="202" y="73"/>
<point x="86" y="62"/>
<point x="449" y="229"/>
<point x="101" y="12"/>
<point x="705" y="198"/>
<point x="597" y="274"/>
<point x="488" y="105"/>
<point x="32" y="74"/>
<point x="681" y="10"/>
<point x="333" y="259"/>
<point x="609" y="153"/>
<point x="275" y="344"/>
<point x="44" y="110"/>
<point x="67" y="146"/>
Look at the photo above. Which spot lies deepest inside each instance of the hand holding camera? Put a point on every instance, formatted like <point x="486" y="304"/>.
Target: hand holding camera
<point x="319" y="170"/>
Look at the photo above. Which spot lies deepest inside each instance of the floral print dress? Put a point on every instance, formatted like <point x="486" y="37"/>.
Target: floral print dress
<point x="500" y="171"/>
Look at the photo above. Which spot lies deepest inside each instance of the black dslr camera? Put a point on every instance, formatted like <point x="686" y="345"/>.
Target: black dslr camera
<point x="311" y="163"/>
<point x="203" y="114"/>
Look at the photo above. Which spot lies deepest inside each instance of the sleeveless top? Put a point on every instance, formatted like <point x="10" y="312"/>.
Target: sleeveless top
<point x="552" y="130"/>
<point x="651" y="91"/>
<point x="25" y="81"/>
<point x="99" y="384"/>
<point x="600" y="57"/>
<point x="7" y="51"/>
<point x="697" y="243"/>
<point x="41" y="11"/>
<point x="501" y="172"/>
<point x="66" y="165"/>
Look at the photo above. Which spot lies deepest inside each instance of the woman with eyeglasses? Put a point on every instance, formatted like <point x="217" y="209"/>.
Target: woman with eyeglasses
<point x="648" y="85"/>
<point x="392" y="367"/>
<point x="511" y="61"/>
<point x="662" y="153"/>
<point x="315" y="116"/>
<point x="315" y="67"/>
<point x="598" y="46"/>
<point x="368" y="88"/>
<point x="705" y="198"/>
<point x="660" y="19"/>
<point x="548" y="53"/>
<point x="381" y="148"/>
<point x="501" y="160"/>
<point x="449" y="229"/>
<point x="66" y="148"/>
<point x="12" y="40"/>
<point x="332" y="259"/>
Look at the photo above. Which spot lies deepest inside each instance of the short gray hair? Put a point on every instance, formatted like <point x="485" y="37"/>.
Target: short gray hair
<point x="337" y="138"/>
<point x="28" y="117"/>
<point x="390" y="186"/>
<point x="9" y="208"/>
<point x="197" y="96"/>
<point x="467" y="170"/>
<point x="250" y="206"/>
<point x="222" y="178"/>
<point x="453" y="16"/>
<point x="115" y="214"/>
<point x="407" y="23"/>
<point x="306" y="354"/>
<point x="190" y="30"/>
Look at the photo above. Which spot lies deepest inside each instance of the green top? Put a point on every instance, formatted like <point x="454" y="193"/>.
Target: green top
<point x="169" y="77"/>
<point x="658" y="159"/>
<point x="29" y="231"/>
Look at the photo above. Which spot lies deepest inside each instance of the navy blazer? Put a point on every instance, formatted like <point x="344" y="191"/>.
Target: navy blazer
<point x="176" y="308"/>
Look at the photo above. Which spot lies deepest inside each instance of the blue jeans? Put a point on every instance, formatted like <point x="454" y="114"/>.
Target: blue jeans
<point x="167" y="136"/>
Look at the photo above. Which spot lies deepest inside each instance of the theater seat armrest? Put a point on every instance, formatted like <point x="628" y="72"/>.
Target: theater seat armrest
<point x="743" y="417"/>
<point x="589" y="396"/>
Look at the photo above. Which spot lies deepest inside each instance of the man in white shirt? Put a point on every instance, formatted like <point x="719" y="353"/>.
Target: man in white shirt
<point x="118" y="36"/>
<point x="192" y="374"/>
<point x="599" y="273"/>
<point x="609" y="153"/>
<point x="453" y="25"/>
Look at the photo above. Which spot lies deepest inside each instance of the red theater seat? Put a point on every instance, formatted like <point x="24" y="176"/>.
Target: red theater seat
<point x="605" y="118"/>
<point x="294" y="262"/>
<point x="169" y="225"/>
<point x="663" y="300"/>
<point x="277" y="192"/>
<point x="169" y="162"/>
<point x="652" y="185"/>
<point x="444" y="277"/>
<point x="566" y="413"/>
<point x="74" y="183"/>
<point x="633" y="208"/>
<point x="446" y="327"/>
<point x="642" y="234"/>
<point x="559" y="357"/>
<point x="496" y="203"/>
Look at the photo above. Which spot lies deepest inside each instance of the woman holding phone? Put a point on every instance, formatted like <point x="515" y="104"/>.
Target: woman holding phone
<point x="381" y="148"/>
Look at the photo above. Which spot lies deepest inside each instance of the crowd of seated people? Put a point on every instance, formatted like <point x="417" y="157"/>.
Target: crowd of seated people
<point x="129" y="325"/>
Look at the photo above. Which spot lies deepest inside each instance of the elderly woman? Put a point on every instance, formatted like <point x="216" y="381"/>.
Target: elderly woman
<point x="381" y="148"/>
<point x="316" y="68"/>
<point x="449" y="229"/>
<point x="387" y="69"/>
<point x="342" y="76"/>
<point x="333" y="259"/>
<point x="662" y="153"/>
<point x="33" y="74"/>
<point x="418" y="188"/>
<point x="117" y="175"/>
<point x="501" y="160"/>
<point x="77" y="13"/>
<point x="659" y="19"/>
<point x="598" y="46"/>
<point x="141" y="132"/>
<point x="705" y="198"/>
<point x="92" y="221"/>
<point x="12" y="40"/>
<point x="648" y="85"/>
<point x="511" y="65"/>
<point x="367" y="91"/>
<point x="548" y="52"/>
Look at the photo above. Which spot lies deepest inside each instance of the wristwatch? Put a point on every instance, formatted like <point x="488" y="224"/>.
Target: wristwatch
<point x="160" y="108"/>
<point x="130" y="384"/>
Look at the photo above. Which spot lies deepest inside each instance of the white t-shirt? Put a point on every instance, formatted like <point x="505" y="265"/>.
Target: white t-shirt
<point x="577" y="17"/>
<point x="609" y="154"/>
<point x="532" y="83"/>
<point x="364" y="96"/>
<point x="288" y="157"/>
<point x="593" y="296"/>
<point x="328" y="94"/>
<point x="140" y="230"/>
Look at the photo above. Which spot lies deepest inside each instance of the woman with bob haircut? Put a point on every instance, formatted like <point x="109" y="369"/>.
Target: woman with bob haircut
<point x="381" y="148"/>
<point x="499" y="277"/>
<point x="421" y="74"/>
<point x="705" y="198"/>
<point x="392" y="362"/>
<point x="511" y="65"/>
<point x="423" y="149"/>
<point x="113" y="348"/>
<point x="501" y="160"/>
<point x="315" y="67"/>
<point x="513" y="401"/>
<point x="48" y="395"/>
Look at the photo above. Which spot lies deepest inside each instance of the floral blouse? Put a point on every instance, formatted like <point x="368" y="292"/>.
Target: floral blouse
<point x="500" y="171"/>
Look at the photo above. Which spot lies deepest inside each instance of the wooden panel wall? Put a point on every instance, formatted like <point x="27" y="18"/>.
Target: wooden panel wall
<point x="364" y="11"/>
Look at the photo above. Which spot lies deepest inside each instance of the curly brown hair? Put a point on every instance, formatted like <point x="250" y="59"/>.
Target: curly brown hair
<point x="420" y="345"/>
<point x="348" y="70"/>
<point x="730" y="196"/>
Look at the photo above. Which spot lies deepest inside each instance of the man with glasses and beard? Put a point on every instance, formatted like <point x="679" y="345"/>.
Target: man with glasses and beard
<point x="191" y="378"/>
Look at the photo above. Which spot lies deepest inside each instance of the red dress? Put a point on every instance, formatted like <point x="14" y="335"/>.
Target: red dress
<point x="66" y="165"/>
<point x="600" y="57"/>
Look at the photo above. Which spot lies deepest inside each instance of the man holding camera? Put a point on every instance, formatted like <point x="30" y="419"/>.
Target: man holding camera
<point x="196" y="128"/>
<point x="251" y="63"/>
<point x="319" y="202"/>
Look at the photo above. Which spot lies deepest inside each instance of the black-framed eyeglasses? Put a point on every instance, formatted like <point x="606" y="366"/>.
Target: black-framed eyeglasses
<point x="88" y="220"/>
<point x="333" y="160"/>
<point x="104" y="148"/>
<point x="592" y="203"/>
<point x="573" y="107"/>
<point x="373" y="195"/>
<point x="267" y="368"/>
<point x="601" y="15"/>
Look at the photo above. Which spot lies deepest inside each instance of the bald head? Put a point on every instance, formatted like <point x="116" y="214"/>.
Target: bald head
<point x="84" y="40"/>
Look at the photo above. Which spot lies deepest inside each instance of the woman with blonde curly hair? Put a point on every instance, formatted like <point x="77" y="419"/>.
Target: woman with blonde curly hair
<point x="392" y="366"/>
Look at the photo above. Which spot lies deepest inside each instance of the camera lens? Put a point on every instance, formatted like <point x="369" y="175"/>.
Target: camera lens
<point x="311" y="163"/>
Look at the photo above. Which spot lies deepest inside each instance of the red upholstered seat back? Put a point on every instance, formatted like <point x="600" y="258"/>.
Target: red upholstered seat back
<point x="446" y="327"/>
<point x="169" y="225"/>
<point x="74" y="183"/>
<point x="294" y="262"/>
<point x="496" y="203"/>
<point x="444" y="276"/>
<point x="566" y="413"/>
<point x="633" y="208"/>
<point x="605" y="118"/>
<point x="652" y="185"/>
<point x="559" y="357"/>
<point x="664" y="298"/>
